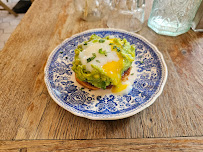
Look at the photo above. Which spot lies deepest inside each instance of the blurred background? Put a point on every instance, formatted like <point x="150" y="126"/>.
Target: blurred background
<point x="165" y="17"/>
<point x="9" y="21"/>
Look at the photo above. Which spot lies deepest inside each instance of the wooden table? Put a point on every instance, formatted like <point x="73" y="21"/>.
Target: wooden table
<point x="28" y="113"/>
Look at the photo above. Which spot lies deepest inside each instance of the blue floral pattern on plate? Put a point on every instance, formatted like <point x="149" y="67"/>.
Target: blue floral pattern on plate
<point x="149" y="80"/>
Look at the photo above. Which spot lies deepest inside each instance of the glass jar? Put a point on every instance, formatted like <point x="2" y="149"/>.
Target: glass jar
<point x="172" y="17"/>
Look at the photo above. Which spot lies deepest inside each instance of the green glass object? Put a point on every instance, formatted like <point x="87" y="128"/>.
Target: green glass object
<point x="172" y="17"/>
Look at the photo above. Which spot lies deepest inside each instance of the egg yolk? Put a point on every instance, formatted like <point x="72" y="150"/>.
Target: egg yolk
<point x="113" y="70"/>
<point x="118" y="88"/>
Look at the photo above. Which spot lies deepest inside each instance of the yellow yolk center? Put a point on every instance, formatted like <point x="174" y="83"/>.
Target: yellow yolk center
<point x="118" y="88"/>
<point x="113" y="70"/>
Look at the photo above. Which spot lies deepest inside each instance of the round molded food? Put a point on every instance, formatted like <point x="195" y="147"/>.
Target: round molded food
<point x="101" y="62"/>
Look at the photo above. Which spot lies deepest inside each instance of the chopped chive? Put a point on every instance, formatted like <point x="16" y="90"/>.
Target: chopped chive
<point x="132" y="73"/>
<point x="82" y="88"/>
<point x="103" y="52"/>
<point x="85" y="43"/>
<point x="66" y="57"/>
<point x="91" y="58"/>
<point x="110" y="43"/>
<point x="98" y="61"/>
<point x="88" y="60"/>
<point x="118" y="49"/>
<point x="101" y="41"/>
<point x="61" y="52"/>
<point x="114" y="47"/>
<point x="141" y="62"/>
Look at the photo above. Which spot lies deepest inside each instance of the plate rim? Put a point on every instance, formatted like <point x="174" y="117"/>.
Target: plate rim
<point x="144" y="106"/>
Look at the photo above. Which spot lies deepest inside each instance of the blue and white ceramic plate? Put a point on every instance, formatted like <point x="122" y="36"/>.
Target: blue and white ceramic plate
<point x="149" y="79"/>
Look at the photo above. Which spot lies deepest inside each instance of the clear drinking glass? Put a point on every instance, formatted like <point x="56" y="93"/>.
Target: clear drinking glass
<point x="92" y="10"/>
<point x="172" y="17"/>
<point x="126" y="14"/>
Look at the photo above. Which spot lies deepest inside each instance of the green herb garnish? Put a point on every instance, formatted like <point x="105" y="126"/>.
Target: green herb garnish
<point x="101" y="41"/>
<point x="141" y="62"/>
<point x="132" y="73"/>
<point x="110" y="43"/>
<point x="98" y="61"/>
<point x="103" y="52"/>
<point x="61" y="52"/>
<point x="91" y="58"/>
<point x="85" y="43"/>
<point x="118" y="49"/>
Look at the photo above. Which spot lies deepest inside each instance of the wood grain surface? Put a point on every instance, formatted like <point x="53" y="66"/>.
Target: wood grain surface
<point x="28" y="111"/>
<point x="144" y="145"/>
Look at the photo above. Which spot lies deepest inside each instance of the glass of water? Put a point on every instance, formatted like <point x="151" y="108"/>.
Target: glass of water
<point x="172" y="17"/>
<point x="126" y="14"/>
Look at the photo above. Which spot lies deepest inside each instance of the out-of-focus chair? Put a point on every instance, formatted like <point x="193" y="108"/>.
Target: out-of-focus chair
<point x="5" y="7"/>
